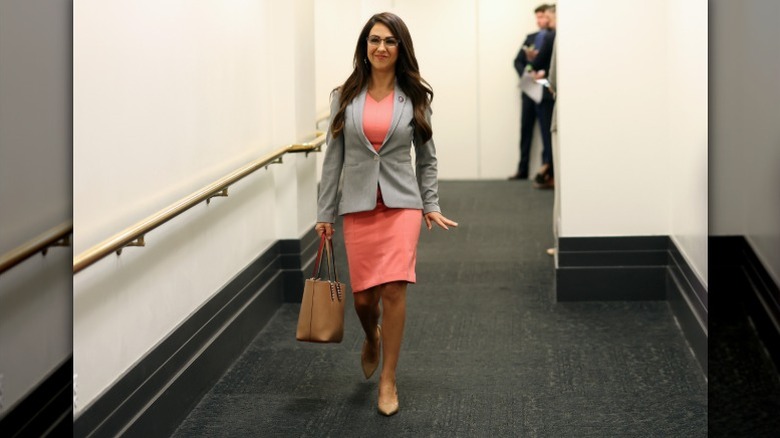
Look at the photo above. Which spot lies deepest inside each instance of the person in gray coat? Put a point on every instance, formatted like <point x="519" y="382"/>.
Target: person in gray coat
<point x="368" y="177"/>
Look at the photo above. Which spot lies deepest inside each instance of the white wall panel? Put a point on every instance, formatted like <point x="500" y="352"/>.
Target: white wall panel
<point x="305" y="115"/>
<point x="612" y="114"/>
<point x="293" y="94"/>
<point x="336" y="29"/>
<point x="163" y="97"/>
<point x="337" y="24"/>
<point x="445" y="42"/>
<point x="169" y="97"/>
<point x="687" y="119"/>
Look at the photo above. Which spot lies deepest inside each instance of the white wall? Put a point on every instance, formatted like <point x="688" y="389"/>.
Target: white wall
<point x="35" y="191"/>
<point x="688" y="129"/>
<point x="445" y="41"/>
<point x="466" y="50"/>
<point x="745" y="153"/>
<point x="170" y="96"/>
<point x="501" y="30"/>
<point x="612" y="118"/>
<point x="632" y="114"/>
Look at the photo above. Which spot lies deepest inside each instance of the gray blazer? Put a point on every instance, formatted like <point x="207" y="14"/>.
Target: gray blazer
<point x="352" y="168"/>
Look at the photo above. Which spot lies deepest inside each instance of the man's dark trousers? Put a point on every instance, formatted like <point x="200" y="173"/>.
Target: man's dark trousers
<point x="527" y="121"/>
<point x="544" y="111"/>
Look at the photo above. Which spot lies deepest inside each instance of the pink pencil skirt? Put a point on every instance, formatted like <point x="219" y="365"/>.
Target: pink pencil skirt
<point x="381" y="245"/>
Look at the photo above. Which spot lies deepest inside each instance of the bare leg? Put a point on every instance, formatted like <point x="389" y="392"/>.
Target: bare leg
<point x="394" y="315"/>
<point x="367" y="309"/>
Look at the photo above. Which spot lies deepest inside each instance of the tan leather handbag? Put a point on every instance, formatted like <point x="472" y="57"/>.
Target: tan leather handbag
<point x="321" y="318"/>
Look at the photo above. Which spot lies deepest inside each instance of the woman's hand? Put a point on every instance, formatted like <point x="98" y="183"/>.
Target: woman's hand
<point x="324" y="227"/>
<point x="440" y="220"/>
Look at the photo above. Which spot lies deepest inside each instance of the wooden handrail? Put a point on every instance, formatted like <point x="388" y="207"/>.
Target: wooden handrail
<point x="135" y="234"/>
<point x="57" y="236"/>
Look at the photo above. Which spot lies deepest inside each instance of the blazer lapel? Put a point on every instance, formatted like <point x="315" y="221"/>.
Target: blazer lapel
<point x="399" y="103"/>
<point x="358" y="106"/>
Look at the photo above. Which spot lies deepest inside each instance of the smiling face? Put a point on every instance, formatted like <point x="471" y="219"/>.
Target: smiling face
<point x="382" y="57"/>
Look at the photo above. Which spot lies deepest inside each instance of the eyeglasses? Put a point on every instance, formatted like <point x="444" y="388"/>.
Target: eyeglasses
<point x="390" y="42"/>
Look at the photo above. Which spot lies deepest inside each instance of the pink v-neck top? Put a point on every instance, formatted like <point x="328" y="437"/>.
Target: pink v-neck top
<point x="377" y="117"/>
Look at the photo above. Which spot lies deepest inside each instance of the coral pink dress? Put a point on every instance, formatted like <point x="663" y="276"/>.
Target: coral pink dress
<point x="381" y="243"/>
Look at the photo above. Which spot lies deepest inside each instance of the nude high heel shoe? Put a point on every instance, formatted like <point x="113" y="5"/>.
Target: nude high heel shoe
<point x="388" y="407"/>
<point x="369" y="367"/>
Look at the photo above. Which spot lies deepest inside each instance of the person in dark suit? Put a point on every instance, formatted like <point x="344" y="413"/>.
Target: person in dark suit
<point x="533" y="42"/>
<point x="540" y="65"/>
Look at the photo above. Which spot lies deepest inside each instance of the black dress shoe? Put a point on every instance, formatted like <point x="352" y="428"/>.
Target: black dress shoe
<point x="549" y="183"/>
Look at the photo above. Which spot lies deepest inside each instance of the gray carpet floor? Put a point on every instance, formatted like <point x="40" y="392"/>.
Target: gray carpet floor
<point x="487" y="351"/>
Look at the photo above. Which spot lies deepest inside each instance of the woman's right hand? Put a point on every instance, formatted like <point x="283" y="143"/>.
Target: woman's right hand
<point x="326" y="228"/>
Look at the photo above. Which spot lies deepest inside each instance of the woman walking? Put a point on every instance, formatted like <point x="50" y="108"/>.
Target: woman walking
<point x="377" y="115"/>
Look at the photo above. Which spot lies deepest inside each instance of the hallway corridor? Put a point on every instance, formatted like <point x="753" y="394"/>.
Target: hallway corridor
<point x="487" y="350"/>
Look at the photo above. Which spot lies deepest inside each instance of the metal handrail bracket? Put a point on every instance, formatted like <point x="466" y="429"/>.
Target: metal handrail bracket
<point x="56" y="236"/>
<point x="135" y="234"/>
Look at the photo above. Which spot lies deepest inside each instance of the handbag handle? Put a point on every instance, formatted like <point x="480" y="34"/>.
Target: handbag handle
<point x="331" y="257"/>
<point x="335" y="286"/>
<point x="327" y="245"/>
<point x="318" y="260"/>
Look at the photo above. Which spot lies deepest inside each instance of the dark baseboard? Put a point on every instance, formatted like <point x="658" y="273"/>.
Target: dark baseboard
<point x="297" y="262"/>
<point x="635" y="268"/>
<point x="156" y="394"/>
<point x="611" y="268"/>
<point x="688" y="299"/>
<point x="46" y="410"/>
<point x="740" y="277"/>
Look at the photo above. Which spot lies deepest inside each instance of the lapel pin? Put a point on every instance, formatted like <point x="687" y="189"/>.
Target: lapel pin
<point x="400" y="98"/>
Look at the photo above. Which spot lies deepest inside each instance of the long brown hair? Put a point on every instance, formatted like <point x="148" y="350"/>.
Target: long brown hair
<point x="407" y="74"/>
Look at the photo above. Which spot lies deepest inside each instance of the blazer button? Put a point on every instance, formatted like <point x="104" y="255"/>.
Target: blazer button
<point x="376" y="157"/>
